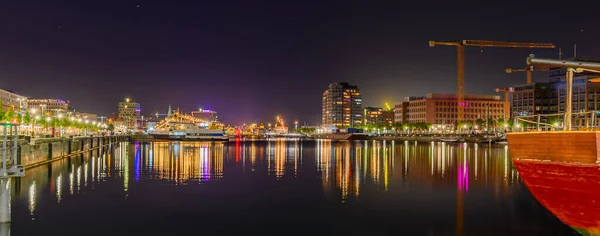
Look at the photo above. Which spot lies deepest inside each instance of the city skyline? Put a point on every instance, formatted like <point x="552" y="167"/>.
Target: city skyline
<point x="275" y="59"/>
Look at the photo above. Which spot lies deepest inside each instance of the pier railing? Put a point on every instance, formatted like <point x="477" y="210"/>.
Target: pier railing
<point x="553" y="122"/>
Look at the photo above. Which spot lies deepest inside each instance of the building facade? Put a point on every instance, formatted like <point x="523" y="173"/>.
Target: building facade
<point x="401" y="112"/>
<point x="373" y="116"/>
<point x="442" y="109"/>
<point x="85" y="116"/>
<point x="48" y="107"/>
<point x="129" y="111"/>
<point x="533" y="99"/>
<point x="549" y="97"/>
<point x="342" y="106"/>
<point x="12" y="100"/>
<point x="388" y="117"/>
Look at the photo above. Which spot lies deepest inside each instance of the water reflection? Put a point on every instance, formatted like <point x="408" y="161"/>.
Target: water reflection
<point x="347" y="172"/>
<point x="343" y="166"/>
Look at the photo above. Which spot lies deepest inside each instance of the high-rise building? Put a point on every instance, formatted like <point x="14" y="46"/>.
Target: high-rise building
<point x="130" y="113"/>
<point x="12" y="100"/>
<point x="49" y="107"/>
<point x="373" y="116"/>
<point x="442" y="109"/>
<point x="342" y="106"/>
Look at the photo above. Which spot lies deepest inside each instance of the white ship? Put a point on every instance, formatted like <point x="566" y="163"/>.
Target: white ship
<point x="187" y="132"/>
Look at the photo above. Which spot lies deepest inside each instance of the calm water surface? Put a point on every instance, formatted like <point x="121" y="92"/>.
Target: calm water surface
<point x="281" y="188"/>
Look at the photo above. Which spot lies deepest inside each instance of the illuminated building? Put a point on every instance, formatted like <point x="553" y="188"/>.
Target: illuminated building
<point x="48" y="106"/>
<point x="400" y="112"/>
<point x="11" y="99"/>
<point x="130" y="113"/>
<point x="209" y="116"/>
<point x="373" y="116"/>
<point x="549" y="97"/>
<point x="85" y="116"/>
<point x="388" y="117"/>
<point x="342" y="106"/>
<point x="442" y="109"/>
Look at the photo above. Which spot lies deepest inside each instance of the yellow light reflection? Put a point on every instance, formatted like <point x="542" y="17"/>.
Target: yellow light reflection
<point x="59" y="188"/>
<point x="32" y="198"/>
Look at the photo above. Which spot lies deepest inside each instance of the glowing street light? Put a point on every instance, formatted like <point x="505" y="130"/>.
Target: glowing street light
<point x="60" y="116"/>
<point x="37" y="117"/>
<point x="48" y="119"/>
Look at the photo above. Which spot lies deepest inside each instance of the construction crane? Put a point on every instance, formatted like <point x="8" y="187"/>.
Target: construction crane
<point x="460" y="60"/>
<point x="527" y="69"/>
<point x="506" y="102"/>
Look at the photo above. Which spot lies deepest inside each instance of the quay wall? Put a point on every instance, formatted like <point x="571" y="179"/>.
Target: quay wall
<point x="40" y="151"/>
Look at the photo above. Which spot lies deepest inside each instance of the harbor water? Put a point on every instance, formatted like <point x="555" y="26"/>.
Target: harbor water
<point x="281" y="187"/>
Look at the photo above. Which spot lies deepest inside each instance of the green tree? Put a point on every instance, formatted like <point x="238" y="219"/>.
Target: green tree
<point x="480" y="123"/>
<point x="10" y="114"/>
<point x="491" y="123"/>
<point x="111" y="127"/>
<point x="27" y="118"/>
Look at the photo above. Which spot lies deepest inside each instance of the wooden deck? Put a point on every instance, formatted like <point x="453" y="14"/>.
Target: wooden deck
<point x="564" y="146"/>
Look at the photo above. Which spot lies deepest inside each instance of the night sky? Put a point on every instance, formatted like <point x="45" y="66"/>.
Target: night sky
<point x="251" y="60"/>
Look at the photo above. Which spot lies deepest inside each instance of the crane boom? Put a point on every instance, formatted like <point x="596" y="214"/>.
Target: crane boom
<point x="527" y="69"/>
<point x="460" y="61"/>
<point x="499" y="44"/>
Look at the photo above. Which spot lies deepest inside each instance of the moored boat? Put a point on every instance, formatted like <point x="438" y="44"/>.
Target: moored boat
<point x="343" y="136"/>
<point x="183" y="131"/>
<point x="451" y="139"/>
<point x="561" y="171"/>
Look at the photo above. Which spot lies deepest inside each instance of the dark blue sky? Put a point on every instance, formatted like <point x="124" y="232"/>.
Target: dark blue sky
<point x="250" y="60"/>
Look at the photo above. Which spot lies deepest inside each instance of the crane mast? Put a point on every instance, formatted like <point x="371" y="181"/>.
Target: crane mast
<point x="460" y="61"/>
<point x="506" y="101"/>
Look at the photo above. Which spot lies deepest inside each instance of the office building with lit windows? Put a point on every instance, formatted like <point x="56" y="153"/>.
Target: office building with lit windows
<point x="49" y="107"/>
<point x="549" y="97"/>
<point x="533" y="99"/>
<point x="442" y="109"/>
<point x="342" y="106"/>
<point x="373" y="116"/>
<point x="12" y="100"/>
<point x="129" y="111"/>
<point x="401" y="111"/>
